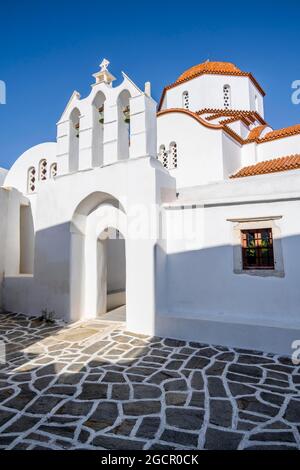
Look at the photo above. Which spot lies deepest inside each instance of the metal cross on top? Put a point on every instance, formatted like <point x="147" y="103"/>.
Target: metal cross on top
<point x="104" y="64"/>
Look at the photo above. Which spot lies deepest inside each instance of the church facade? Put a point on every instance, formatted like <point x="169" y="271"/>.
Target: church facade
<point x="187" y="212"/>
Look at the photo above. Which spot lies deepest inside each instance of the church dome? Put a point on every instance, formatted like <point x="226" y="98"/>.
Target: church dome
<point x="209" y="67"/>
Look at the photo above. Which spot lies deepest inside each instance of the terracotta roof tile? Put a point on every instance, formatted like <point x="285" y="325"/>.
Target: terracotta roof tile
<point x="255" y="133"/>
<point x="208" y="67"/>
<point x="279" y="133"/>
<point x="291" y="162"/>
<point x="216" y="113"/>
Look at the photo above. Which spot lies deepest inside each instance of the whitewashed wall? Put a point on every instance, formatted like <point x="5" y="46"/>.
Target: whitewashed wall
<point x="206" y="91"/>
<point x="199" y="149"/>
<point x="3" y="173"/>
<point x="3" y="226"/>
<point x="206" y="299"/>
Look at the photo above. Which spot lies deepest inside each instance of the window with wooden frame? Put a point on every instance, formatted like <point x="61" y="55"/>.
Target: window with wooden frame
<point x="257" y="249"/>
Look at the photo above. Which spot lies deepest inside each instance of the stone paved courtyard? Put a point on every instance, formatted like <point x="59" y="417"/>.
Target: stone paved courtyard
<point x="95" y="385"/>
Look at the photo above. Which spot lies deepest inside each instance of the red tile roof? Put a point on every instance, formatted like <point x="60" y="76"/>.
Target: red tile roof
<point x="280" y="133"/>
<point x="208" y="67"/>
<point x="291" y="162"/>
<point x="211" y="68"/>
<point x="255" y="133"/>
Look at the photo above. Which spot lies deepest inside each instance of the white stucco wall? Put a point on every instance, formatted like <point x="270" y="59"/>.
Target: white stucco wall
<point x="201" y="283"/>
<point x="17" y="175"/>
<point x="278" y="148"/>
<point x="116" y="265"/>
<point x="3" y="227"/>
<point x="199" y="149"/>
<point x="206" y="91"/>
<point x="3" y="173"/>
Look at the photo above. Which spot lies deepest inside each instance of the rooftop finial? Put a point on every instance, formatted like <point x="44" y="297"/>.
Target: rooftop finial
<point x="103" y="76"/>
<point x="104" y="64"/>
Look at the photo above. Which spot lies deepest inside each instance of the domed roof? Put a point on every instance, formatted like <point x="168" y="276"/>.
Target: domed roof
<point x="209" y="67"/>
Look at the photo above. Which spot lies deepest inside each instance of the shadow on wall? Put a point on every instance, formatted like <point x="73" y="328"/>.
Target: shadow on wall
<point x="204" y="281"/>
<point x="190" y="283"/>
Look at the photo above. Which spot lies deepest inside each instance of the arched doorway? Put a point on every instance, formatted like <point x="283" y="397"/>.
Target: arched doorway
<point x="111" y="275"/>
<point x="98" y="260"/>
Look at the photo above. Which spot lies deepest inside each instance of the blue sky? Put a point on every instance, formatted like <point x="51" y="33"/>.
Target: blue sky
<point x="49" y="48"/>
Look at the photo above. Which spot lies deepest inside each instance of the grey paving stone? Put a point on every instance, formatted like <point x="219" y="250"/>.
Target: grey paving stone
<point x="222" y="440"/>
<point x="114" y="377"/>
<point x="174" y="343"/>
<point x="284" y="436"/>
<point x="174" y="365"/>
<point x="120" y="392"/>
<point x="116" y="443"/>
<point x="242" y="378"/>
<point x="124" y="428"/>
<point x="141" y="407"/>
<point x="91" y="391"/>
<point x="159" y="446"/>
<point x="277" y="425"/>
<point x="225" y="356"/>
<point x="148" y="428"/>
<point x="197" y="400"/>
<point x="180" y="437"/>
<point x="104" y="416"/>
<point x="43" y="404"/>
<point x="216" y="387"/>
<point x="197" y="381"/>
<point x="5" y="416"/>
<point x="75" y="408"/>
<point x="176" y="385"/>
<point x="144" y="391"/>
<point x="252" y="404"/>
<point x="220" y="413"/>
<point x="272" y="398"/>
<point x="174" y="398"/>
<point x="244" y="369"/>
<point x="240" y="389"/>
<point x="191" y="419"/>
<point x="216" y="368"/>
<point x="23" y="423"/>
<point x="271" y="447"/>
<point x="197" y="362"/>
<point x="161" y="376"/>
<point x="62" y="431"/>
<point x="292" y="413"/>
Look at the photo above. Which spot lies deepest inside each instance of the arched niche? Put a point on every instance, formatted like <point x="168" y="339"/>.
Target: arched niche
<point x="74" y="134"/>
<point x="123" y="104"/>
<point x="98" y="129"/>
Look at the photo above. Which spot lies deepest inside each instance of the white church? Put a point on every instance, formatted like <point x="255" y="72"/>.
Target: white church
<point x="187" y="213"/>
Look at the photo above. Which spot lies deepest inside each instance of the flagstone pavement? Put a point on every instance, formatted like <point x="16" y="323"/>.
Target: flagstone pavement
<point x="94" y="385"/>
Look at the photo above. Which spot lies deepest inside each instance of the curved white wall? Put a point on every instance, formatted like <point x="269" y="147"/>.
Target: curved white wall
<point x="17" y="175"/>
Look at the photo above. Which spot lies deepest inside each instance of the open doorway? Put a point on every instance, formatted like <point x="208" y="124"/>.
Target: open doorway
<point x="111" y="264"/>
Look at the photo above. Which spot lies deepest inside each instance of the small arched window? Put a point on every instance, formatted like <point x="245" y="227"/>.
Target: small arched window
<point x="43" y="170"/>
<point x="53" y="170"/>
<point x="185" y="100"/>
<point x="31" y="180"/>
<point x="173" y="155"/>
<point x="226" y="96"/>
<point x="163" y="156"/>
